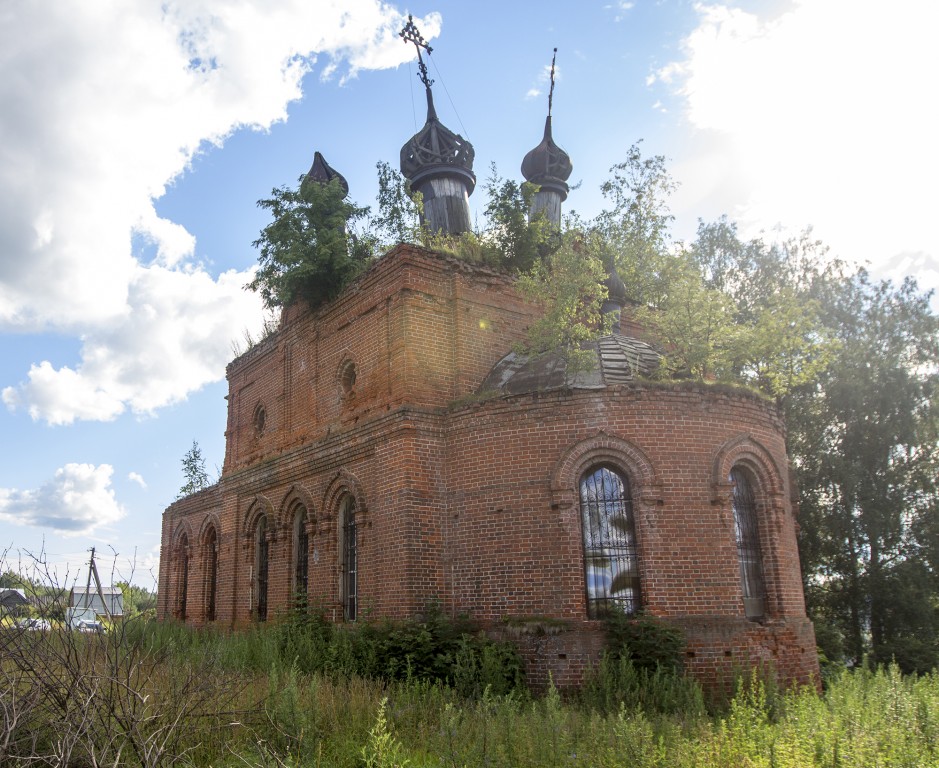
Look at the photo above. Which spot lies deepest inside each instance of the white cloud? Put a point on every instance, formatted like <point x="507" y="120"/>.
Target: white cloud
<point x="76" y="501"/>
<point x="136" y="477"/>
<point x="822" y="116"/>
<point x="105" y="104"/>
<point x="176" y="338"/>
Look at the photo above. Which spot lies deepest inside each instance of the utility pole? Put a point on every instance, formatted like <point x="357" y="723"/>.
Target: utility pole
<point x="93" y="571"/>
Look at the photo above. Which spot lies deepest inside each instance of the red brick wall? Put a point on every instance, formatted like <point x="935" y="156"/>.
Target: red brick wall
<point x="476" y="505"/>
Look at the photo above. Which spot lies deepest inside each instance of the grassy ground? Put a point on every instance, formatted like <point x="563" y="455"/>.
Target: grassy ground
<point x="161" y="695"/>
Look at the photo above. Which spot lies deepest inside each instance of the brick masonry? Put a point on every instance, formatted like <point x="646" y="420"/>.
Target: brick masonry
<point x="471" y="502"/>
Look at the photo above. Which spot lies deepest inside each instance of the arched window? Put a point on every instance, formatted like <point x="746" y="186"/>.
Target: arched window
<point x="261" y="567"/>
<point x="301" y="549"/>
<point x="611" y="558"/>
<point x="182" y="576"/>
<point x="748" y="545"/>
<point x="349" y="586"/>
<point x="211" y="572"/>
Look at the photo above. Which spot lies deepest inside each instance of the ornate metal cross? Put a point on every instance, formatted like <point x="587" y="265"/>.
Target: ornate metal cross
<point x="410" y="34"/>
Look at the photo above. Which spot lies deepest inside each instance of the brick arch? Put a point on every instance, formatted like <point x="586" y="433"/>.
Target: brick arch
<point x="348" y="366"/>
<point x="259" y="505"/>
<point x="343" y="482"/>
<point x="181" y="560"/>
<point x="182" y="529"/>
<point x="769" y="488"/>
<point x="211" y="520"/>
<point x="296" y="493"/>
<point x="208" y="562"/>
<point x="745" y="451"/>
<point x="604" y="448"/>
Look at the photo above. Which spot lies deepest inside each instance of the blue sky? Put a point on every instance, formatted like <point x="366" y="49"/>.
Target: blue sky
<point x="136" y="138"/>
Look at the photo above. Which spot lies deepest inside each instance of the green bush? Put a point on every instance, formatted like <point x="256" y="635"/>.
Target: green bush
<point x="648" y="643"/>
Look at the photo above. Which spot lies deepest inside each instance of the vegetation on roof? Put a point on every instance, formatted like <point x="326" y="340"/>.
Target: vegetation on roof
<point x="851" y="361"/>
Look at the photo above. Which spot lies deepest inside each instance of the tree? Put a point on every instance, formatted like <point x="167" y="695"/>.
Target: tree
<point x="194" y="472"/>
<point x="399" y="210"/>
<point x="568" y="285"/>
<point x="306" y="252"/>
<point x="515" y="241"/>
<point x="865" y="442"/>
<point x="634" y="233"/>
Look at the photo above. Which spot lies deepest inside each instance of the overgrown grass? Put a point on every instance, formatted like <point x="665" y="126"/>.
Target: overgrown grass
<point x="295" y="694"/>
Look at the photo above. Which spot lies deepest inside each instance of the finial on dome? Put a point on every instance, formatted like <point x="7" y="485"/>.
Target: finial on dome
<point x="548" y="166"/>
<point x="437" y="161"/>
<point x="615" y="292"/>
<point x="322" y="173"/>
<point x="410" y="34"/>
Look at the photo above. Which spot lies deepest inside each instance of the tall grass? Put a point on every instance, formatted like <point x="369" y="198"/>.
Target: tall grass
<point x="295" y="697"/>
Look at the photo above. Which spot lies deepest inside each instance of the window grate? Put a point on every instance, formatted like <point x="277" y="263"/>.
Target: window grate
<point x="611" y="558"/>
<point x="748" y="545"/>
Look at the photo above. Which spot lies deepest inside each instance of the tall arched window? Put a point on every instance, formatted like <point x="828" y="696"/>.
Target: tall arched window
<point x="748" y="545"/>
<point x="261" y="567"/>
<point x="349" y="586"/>
<point x="301" y="549"/>
<point x="182" y="576"/>
<point x="611" y="558"/>
<point x="211" y="572"/>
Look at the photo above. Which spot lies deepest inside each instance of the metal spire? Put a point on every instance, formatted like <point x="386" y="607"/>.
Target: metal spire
<point x="410" y="34"/>
<point x="551" y="92"/>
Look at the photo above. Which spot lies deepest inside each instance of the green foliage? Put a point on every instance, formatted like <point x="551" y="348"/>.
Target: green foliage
<point x="514" y="241"/>
<point x="436" y="649"/>
<point x="137" y="600"/>
<point x="383" y="750"/>
<point x="567" y="283"/>
<point x="194" y="474"/>
<point x="163" y="694"/>
<point x="399" y="210"/>
<point x="695" y="325"/>
<point x="865" y="442"/>
<point x="634" y="233"/>
<point x="306" y="252"/>
<point x="649" y="643"/>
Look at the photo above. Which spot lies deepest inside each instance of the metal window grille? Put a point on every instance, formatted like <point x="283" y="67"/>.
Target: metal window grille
<point x="748" y="545"/>
<point x="183" y="577"/>
<point x="302" y="547"/>
<point x="350" y="558"/>
<point x="262" y="548"/>
<point x="611" y="558"/>
<point x="211" y="586"/>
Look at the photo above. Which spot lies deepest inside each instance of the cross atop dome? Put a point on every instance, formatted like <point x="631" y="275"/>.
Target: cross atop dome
<point x="437" y="161"/>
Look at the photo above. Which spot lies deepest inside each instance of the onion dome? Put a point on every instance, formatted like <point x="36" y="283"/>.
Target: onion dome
<point x="615" y="293"/>
<point x="547" y="165"/>
<point x="618" y="359"/>
<point x="436" y="151"/>
<point x="322" y="173"/>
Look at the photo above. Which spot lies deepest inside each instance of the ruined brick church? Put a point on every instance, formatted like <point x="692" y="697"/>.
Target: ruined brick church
<point x="389" y="450"/>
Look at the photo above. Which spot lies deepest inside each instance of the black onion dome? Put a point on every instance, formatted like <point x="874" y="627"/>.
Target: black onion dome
<point x="323" y="173"/>
<point x="548" y="163"/>
<point x="619" y="360"/>
<point x="436" y="150"/>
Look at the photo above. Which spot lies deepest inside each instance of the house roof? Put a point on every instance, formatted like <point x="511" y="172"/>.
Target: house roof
<point x="11" y="598"/>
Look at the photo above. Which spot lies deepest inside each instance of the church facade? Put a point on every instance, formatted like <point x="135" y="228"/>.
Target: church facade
<point x="388" y="451"/>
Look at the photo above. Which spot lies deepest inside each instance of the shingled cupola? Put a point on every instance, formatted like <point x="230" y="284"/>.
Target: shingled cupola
<point x="322" y="172"/>
<point x="548" y="166"/>
<point x="437" y="161"/>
